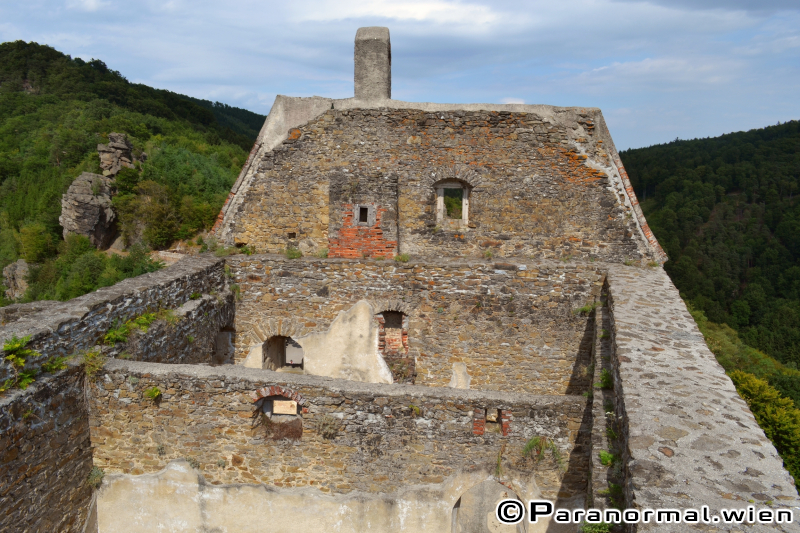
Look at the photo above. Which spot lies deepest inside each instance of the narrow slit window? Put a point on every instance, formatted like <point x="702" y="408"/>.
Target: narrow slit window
<point x="363" y="214"/>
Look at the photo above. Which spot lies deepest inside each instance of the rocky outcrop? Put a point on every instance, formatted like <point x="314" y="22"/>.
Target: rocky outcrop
<point x="15" y="275"/>
<point x="86" y="210"/>
<point x="116" y="154"/>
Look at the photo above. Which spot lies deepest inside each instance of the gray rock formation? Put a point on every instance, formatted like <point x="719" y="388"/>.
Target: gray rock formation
<point x="116" y="154"/>
<point x="86" y="210"/>
<point x="15" y="275"/>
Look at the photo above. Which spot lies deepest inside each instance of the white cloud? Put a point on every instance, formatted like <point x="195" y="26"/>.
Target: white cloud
<point x="638" y="60"/>
<point x="436" y="11"/>
<point x="86" y="5"/>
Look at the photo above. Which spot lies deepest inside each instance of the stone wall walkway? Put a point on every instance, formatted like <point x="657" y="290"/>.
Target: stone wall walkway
<point x="691" y="440"/>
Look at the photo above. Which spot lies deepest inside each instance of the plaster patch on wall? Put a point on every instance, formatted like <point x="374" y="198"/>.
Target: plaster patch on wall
<point x="348" y="350"/>
<point x="179" y="499"/>
<point x="461" y="378"/>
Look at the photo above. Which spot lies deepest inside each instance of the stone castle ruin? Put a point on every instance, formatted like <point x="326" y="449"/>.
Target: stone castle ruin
<point x="479" y="311"/>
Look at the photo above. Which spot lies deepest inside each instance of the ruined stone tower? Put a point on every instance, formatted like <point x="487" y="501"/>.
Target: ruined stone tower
<point x="478" y="312"/>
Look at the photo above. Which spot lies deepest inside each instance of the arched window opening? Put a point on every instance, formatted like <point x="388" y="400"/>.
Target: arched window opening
<point x="393" y="345"/>
<point x="452" y="204"/>
<point x="283" y="354"/>
<point x="278" y="417"/>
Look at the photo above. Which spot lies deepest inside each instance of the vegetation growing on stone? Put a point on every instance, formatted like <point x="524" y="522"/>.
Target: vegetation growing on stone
<point x="293" y="253"/>
<point x="95" y="478"/>
<point x="54" y="364"/>
<point x="18" y="355"/>
<point x="539" y="447"/>
<point x="154" y="393"/>
<point x="93" y="361"/>
<point x="606" y="380"/>
<point x="607" y="458"/>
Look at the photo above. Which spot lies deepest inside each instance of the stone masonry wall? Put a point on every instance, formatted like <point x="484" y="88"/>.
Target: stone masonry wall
<point x="188" y="337"/>
<point x="513" y="324"/>
<point x="45" y="456"/>
<point x="532" y="192"/>
<point x="64" y="328"/>
<point x="687" y="437"/>
<point x="348" y="237"/>
<point x="387" y="437"/>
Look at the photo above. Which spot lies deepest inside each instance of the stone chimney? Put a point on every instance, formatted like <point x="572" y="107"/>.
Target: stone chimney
<point x="373" y="59"/>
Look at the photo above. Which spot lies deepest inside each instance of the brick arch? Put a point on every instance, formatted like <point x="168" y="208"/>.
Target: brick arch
<point x="258" y="332"/>
<point x="379" y="306"/>
<point x="462" y="173"/>
<point x="277" y="390"/>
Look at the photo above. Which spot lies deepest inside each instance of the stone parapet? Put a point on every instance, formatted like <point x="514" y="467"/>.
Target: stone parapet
<point x="372" y="438"/>
<point x="64" y="328"/>
<point x="688" y="438"/>
<point x="45" y="456"/>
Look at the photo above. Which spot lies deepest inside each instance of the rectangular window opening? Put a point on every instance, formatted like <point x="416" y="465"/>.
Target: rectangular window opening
<point x="363" y="214"/>
<point x="454" y="203"/>
<point x="292" y="235"/>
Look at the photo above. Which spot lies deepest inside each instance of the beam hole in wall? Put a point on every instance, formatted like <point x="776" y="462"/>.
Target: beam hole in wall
<point x="283" y="354"/>
<point x="223" y="346"/>
<point x="292" y="235"/>
<point x="493" y="421"/>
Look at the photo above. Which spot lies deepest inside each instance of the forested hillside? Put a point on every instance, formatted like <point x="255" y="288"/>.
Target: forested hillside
<point x="727" y="212"/>
<point x="54" y="111"/>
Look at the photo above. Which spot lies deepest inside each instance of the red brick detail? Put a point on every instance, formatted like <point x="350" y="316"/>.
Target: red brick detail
<point x="277" y="390"/>
<point x="479" y="422"/>
<point x="506" y="418"/>
<point x="356" y="241"/>
<point x="392" y="341"/>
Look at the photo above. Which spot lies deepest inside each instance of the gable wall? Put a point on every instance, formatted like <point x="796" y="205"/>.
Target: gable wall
<point x="532" y="192"/>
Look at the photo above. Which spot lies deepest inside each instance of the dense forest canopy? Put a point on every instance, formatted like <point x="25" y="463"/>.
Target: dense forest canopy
<point x="726" y="212"/>
<point x="54" y="111"/>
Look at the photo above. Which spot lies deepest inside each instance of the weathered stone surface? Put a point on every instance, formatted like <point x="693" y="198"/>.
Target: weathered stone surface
<point x="11" y="313"/>
<point x="116" y="154"/>
<point x="45" y="456"/>
<point x="64" y="328"/>
<point x="514" y="328"/>
<point x="688" y="438"/>
<point x="188" y="335"/>
<point x="14" y="277"/>
<point x="532" y="192"/>
<point x="382" y="445"/>
<point x="86" y="210"/>
<point x="373" y="64"/>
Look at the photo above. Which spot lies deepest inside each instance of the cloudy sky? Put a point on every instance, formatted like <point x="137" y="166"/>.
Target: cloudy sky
<point x="658" y="69"/>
